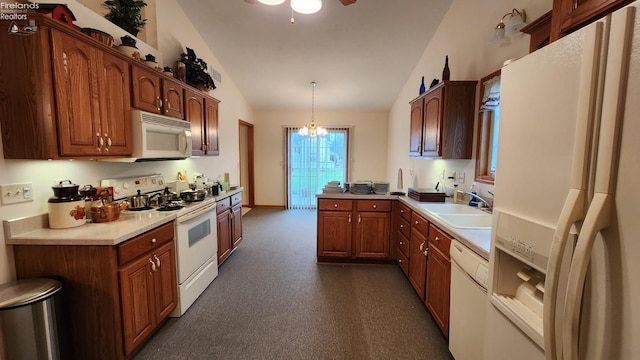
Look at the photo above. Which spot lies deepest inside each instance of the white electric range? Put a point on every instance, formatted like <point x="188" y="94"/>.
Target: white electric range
<point x="195" y="236"/>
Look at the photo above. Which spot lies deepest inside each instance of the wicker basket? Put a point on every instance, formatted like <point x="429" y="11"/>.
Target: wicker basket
<point x="101" y="36"/>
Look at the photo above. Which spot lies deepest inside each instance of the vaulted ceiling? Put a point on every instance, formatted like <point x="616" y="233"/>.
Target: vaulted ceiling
<point x="360" y="55"/>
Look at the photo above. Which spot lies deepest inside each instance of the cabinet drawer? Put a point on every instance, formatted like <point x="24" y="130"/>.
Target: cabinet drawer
<point x="405" y="211"/>
<point x="223" y="205"/>
<point x="439" y="239"/>
<point x="236" y="199"/>
<point x="373" y="205"/>
<point x="403" y="244"/>
<point x="403" y="261"/>
<point x="335" y="204"/>
<point x="142" y="244"/>
<point x="419" y="223"/>
<point x="404" y="227"/>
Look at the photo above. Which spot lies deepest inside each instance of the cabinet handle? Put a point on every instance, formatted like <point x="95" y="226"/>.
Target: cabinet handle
<point x="153" y="265"/>
<point x="422" y="246"/>
<point x="157" y="261"/>
<point x="159" y="103"/>
<point x="335" y="206"/>
<point x="375" y="206"/>
<point x="106" y="136"/>
<point x="349" y="218"/>
<point x="426" y="252"/>
<point x="166" y="108"/>
<point x="359" y="219"/>
<point x="100" y="142"/>
<point x="437" y="238"/>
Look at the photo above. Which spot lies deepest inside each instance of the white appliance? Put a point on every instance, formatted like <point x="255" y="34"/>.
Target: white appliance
<point x="158" y="137"/>
<point x="196" y="237"/>
<point x="563" y="269"/>
<point x="469" y="278"/>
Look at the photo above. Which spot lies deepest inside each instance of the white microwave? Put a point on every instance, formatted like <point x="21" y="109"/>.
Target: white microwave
<point x="158" y="137"/>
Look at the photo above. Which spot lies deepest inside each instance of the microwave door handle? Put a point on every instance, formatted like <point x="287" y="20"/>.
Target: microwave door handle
<point x="186" y="137"/>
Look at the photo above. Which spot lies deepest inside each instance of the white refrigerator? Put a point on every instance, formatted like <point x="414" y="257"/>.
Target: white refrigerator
<point x="565" y="253"/>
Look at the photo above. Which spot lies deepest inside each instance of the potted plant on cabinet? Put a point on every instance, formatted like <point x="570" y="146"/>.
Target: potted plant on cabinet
<point x="126" y="14"/>
<point x="196" y="71"/>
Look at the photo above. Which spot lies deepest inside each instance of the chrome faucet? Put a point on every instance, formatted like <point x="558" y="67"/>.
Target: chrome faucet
<point x="489" y="205"/>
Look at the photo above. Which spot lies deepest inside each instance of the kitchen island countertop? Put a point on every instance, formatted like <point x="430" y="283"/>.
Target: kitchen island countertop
<point x="35" y="231"/>
<point x="477" y="240"/>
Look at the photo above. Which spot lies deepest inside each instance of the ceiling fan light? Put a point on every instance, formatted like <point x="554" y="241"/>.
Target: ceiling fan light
<point x="271" y="2"/>
<point x="306" y="6"/>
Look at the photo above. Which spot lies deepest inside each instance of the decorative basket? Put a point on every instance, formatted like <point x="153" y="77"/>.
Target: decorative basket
<point x="101" y="36"/>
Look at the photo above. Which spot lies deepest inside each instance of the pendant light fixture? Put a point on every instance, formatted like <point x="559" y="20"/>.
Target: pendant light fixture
<point x="312" y="129"/>
<point x="299" y="6"/>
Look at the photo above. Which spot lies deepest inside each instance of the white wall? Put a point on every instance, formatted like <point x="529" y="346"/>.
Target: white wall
<point x="463" y="34"/>
<point x="174" y="32"/>
<point x="368" y="144"/>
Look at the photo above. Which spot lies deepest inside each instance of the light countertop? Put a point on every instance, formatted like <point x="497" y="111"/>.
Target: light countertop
<point x="478" y="240"/>
<point x="35" y="230"/>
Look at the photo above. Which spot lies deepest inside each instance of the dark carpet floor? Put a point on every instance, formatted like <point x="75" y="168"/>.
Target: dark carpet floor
<point x="272" y="301"/>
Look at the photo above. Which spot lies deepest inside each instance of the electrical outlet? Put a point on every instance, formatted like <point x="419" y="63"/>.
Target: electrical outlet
<point x="461" y="177"/>
<point x="453" y="175"/>
<point x="16" y="193"/>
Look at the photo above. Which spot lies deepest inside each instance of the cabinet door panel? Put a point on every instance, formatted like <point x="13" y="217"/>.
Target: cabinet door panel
<point x="194" y="113"/>
<point x="236" y="225"/>
<point x="372" y="235"/>
<point x="138" y="316"/>
<point x="165" y="280"/>
<point x="417" y="262"/>
<point x="334" y="234"/>
<point x="211" y="118"/>
<point x="173" y="96"/>
<point x="224" y="235"/>
<point x="432" y="119"/>
<point x="146" y="90"/>
<point x="415" y="130"/>
<point x="116" y="122"/>
<point x="438" y="286"/>
<point x="76" y="89"/>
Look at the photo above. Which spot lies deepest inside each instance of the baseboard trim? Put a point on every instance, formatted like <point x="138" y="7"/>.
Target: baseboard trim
<point x="281" y="207"/>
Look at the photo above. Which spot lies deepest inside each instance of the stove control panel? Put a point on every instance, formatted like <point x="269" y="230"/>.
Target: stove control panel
<point x="129" y="186"/>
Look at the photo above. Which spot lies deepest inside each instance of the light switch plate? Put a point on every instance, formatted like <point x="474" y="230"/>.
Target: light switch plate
<point x="16" y="193"/>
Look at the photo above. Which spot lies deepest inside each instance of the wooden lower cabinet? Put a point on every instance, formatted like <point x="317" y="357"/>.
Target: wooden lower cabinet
<point x="354" y="229"/>
<point x="417" y="254"/>
<point x="438" y="281"/>
<point x="229" y="225"/>
<point x="112" y="298"/>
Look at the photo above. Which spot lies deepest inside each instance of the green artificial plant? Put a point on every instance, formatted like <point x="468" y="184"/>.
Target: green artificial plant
<point x="126" y="14"/>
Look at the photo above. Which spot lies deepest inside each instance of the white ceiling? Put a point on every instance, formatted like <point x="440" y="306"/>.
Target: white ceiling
<point x="360" y="55"/>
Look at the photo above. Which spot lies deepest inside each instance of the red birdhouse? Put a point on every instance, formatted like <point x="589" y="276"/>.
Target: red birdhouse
<point x="59" y="12"/>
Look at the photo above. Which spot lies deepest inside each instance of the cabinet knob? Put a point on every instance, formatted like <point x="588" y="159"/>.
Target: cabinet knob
<point x="401" y="243"/>
<point x="401" y="211"/>
<point x="153" y="241"/>
<point x="437" y="238"/>
<point x="335" y="206"/>
<point x="401" y="226"/>
<point x="416" y="222"/>
<point x="400" y="260"/>
<point x="375" y="206"/>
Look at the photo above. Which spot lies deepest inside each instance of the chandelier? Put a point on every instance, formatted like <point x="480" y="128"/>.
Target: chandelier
<point x="312" y="129"/>
<point x="299" y="6"/>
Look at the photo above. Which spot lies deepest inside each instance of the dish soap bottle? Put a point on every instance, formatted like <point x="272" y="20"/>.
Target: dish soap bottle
<point x="473" y="201"/>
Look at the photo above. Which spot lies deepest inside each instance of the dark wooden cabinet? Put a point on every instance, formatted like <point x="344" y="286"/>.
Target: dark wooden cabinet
<point x="402" y="236"/>
<point x="438" y="280"/>
<point x="114" y="297"/>
<point x="418" y="253"/>
<point x="229" y="225"/>
<point x="354" y="229"/>
<point x="570" y="15"/>
<point x="64" y="96"/>
<point x="154" y="93"/>
<point x="442" y="121"/>
<point x="202" y="113"/>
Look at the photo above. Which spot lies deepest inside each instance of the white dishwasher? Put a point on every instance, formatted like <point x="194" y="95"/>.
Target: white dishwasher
<point x="469" y="276"/>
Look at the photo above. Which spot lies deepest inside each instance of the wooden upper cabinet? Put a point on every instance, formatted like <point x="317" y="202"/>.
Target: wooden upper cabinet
<point x="415" y="128"/>
<point x="173" y="98"/>
<point x="194" y="111"/>
<point x="211" y="120"/>
<point x="147" y="90"/>
<point x="570" y="15"/>
<point x="116" y="119"/>
<point x="445" y="115"/>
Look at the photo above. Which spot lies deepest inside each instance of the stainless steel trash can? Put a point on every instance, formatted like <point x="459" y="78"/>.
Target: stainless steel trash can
<point x="28" y="319"/>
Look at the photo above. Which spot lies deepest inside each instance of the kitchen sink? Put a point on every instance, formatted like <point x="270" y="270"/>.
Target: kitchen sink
<point x="440" y="208"/>
<point x="478" y="220"/>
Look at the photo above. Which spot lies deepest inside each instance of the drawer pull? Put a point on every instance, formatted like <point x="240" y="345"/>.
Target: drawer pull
<point x="400" y="261"/>
<point x="153" y="241"/>
<point x="335" y="206"/>
<point x="417" y="222"/>
<point x="401" y="226"/>
<point x="401" y="243"/>
<point x="375" y="206"/>
<point x="401" y="211"/>
<point x="437" y="238"/>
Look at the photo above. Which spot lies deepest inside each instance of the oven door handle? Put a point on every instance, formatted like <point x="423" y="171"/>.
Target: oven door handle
<point x="195" y="214"/>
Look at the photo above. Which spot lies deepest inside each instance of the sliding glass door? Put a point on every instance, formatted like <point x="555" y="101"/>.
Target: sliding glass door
<point x="313" y="161"/>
